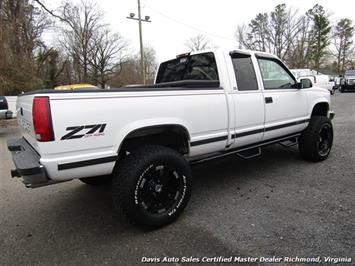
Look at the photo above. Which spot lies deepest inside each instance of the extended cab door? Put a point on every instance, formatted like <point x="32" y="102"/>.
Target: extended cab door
<point x="286" y="107"/>
<point x="248" y="101"/>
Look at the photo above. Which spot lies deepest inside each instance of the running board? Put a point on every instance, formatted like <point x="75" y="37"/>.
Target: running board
<point x="211" y="156"/>
<point x="289" y="143"/>
<point x="248" y="154"/>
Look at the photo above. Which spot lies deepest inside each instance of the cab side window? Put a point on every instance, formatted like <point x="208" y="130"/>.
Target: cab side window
<point x="275" y="75"/>
<point x="244" y="72"/>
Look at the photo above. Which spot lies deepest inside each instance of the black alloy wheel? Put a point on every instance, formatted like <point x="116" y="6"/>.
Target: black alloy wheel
<point x="152" y="186"/>
<point x="324" y="140"/>
<point x="160" y="189"/>
<point x="316" y="140"/>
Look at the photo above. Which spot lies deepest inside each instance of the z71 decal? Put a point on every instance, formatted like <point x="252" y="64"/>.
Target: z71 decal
<point x="77" y="132"/>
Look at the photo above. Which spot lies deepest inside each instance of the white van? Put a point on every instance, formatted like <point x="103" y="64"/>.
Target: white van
<point x="320" y="80"/>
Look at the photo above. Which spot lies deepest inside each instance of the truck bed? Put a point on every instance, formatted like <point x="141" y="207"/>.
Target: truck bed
<point x="118" y="112"/>
<point x="176" y="85"/>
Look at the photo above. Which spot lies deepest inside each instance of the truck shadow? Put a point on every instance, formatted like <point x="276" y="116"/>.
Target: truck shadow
<point x="233" y="169"/>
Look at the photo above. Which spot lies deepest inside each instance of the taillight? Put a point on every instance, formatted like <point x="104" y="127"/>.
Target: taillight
<point x="42" y="119"/>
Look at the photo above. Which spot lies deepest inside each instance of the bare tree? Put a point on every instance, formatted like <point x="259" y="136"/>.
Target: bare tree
<point x="108" y="54"/>
<point x="300" y="52"/>
<point x="198" y="43"/>
<point x="294" y="28"/>
<point x="51" y="66"/>
<point x="259" y="32"/>
<point x="151" y="64"/>
<point x="22" y="24"/>
<point x="96" y="54"/>
<point x="299" y="40"/>
<point x="278" y="21"/>
<point x="129" y="74"/>
<point x="82" y="22"/>
<point x="21" y="27"/>
<point x="283" y="29"/>
<point x="241" y="35"/>
<point x="131" y="69"/>
<point x="274" y="32"/>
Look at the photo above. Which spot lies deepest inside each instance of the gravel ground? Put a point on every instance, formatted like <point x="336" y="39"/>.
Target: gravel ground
<point x="274" y="205"/>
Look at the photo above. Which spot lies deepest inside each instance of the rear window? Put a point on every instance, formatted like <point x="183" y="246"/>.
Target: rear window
<point x="194" y="67"/>
<point x="244" y="72"/>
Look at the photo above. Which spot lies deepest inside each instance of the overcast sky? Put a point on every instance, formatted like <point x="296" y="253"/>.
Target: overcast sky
<point x="175" y="21"/>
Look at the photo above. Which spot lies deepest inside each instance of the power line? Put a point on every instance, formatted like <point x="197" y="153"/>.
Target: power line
<point x="188" y="25"/>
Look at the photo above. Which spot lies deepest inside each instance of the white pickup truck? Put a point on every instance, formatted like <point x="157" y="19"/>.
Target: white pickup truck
<point x="142" y="139"/>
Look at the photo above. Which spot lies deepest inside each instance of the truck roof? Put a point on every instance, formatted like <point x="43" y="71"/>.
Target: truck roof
<point x="234" y="50"/>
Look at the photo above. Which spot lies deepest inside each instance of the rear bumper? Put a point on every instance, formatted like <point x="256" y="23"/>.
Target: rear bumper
<point x="5" y="114"/>
<point x="27" y="163"/>
<point x="9" y="114"/>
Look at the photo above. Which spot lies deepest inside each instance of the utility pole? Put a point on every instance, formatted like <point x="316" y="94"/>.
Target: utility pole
<point x="146" y="19"/>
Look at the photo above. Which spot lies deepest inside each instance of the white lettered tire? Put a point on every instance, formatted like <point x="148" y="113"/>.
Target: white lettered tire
<point x="152" y="186"/>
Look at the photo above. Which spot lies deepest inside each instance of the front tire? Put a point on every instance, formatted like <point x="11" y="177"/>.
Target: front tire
<point x="152" y="186"/>
<point x="316" y="141"/>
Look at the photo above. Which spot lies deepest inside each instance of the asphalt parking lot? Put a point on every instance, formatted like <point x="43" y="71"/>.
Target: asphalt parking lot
<point x="274" y="205"/>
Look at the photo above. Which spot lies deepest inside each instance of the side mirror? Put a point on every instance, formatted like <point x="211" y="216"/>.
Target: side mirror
<point x="306" y="83"/>
<point x="297" y="85"/>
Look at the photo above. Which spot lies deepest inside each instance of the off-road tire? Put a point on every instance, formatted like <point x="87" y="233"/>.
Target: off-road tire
<point x="97" y="180"/>
<point x="140" y="173"/>
<point x="316" y="141"/>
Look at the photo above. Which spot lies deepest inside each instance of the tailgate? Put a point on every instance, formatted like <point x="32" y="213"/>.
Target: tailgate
<point x="24" y="118"/>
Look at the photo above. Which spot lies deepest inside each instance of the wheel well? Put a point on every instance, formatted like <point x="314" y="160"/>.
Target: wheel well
<point x="320" y="109"/>
<point x="172" y="136"/>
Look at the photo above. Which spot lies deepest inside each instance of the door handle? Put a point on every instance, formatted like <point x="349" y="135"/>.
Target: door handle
<point x="268" y="100"/>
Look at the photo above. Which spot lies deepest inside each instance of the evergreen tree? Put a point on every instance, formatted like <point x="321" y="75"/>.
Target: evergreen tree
<point x="321" y="34"/>
<point x="343" y="40"/>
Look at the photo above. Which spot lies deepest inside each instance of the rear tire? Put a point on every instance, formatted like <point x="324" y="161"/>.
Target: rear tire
<point x="97" y="180"/>
<point x="316" y="141"/>
<point x="152" y="186"/>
